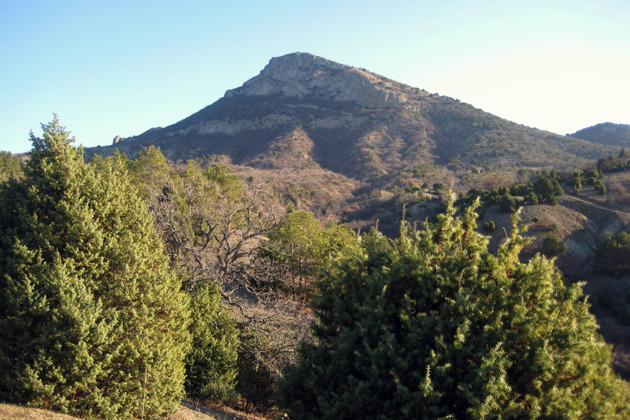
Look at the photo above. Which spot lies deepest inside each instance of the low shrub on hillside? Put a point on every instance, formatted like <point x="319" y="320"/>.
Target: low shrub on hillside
<point x="432" y="325"/>
<point x="612" y="252"/>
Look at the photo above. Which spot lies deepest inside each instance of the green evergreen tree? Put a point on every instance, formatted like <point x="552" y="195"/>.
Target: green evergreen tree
<point x="548" y="191"/>
<point x="185" y="202"/>
<point x="557" y="188"/>
<point x="531" y="198"/>
<point x="10" y="166"/>
<point x="93" y="321"/>
<point x="508" y="203"/>
<point x="576" y="182"/>
<point x="612" y="252"/>
<point x="432" y="325"/>
<point x="552" y="246"/>
<point x="211" y="365"/>
<point x="304" y="246"/>
<point x="600" y="187"/>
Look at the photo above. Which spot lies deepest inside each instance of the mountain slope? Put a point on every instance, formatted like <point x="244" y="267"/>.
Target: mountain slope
<point x="361" y="125"/>
<point x="606" y="133"/>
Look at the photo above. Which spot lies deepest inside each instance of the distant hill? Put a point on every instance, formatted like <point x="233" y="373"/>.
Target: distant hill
<point x="606" y="133"/>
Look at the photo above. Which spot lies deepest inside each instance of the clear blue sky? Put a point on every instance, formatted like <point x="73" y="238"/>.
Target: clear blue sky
<point x="121" y="67"/>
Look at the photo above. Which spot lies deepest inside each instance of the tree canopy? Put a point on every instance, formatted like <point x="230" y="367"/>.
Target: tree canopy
<point x="433" y="325"/>
<point x="189" y="205"/>
<point x="93" y="320"/>
<point x="10" y="166"/>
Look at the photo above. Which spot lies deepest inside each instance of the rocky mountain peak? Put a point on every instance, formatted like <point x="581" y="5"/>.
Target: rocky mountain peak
<point x="302" y="75"/>
<point x="118" y="139"/>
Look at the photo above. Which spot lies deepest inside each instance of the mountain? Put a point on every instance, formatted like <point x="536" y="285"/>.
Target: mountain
<point x="350" y="144"/>
<point x="357" y="124"/>
<point x="606" y="133"/>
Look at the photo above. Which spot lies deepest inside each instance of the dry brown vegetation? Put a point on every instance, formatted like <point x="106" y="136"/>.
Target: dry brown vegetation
<point x="189" y="410"/>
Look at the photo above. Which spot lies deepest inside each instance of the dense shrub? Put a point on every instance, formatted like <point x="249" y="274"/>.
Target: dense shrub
<point x="552" y="246"/>
<point x="613" y="252"/>
<point x="92" y="319"/>
<point x="431" y="325"/>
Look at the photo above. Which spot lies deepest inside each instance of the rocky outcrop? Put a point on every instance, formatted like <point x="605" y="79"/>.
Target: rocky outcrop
<point x="301" y="75"/>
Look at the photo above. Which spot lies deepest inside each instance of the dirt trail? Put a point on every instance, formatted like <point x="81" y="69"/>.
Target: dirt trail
<point x="591" y="203"/>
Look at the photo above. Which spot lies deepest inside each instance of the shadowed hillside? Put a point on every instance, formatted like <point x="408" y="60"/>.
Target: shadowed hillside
<point x="606" y="133"/>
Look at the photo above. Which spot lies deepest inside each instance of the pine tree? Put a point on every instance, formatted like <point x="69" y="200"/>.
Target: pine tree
<point x="211" y="365"/>
<point x="93" y="321"/>
<point x="10" y="166"/>
<point x="432" y="325"/>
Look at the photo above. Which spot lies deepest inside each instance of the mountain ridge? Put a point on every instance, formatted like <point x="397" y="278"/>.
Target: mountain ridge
<point x="359" y="122"/>
<point x="606" y="133"/>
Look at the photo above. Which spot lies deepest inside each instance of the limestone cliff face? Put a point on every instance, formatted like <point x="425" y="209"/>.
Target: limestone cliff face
<point x="302" y="75"/>
<point x="312" y="90"/>
<point x="309" y="86"/>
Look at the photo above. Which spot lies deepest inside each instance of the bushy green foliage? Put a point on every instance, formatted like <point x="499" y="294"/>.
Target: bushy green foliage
<point x="92" y="320"/>
<point x="186" y="203"/>
<point x="552" y="246"/>
<point x="431" y="325"/>
<point x="600" y="187"/>
<point x="531" y="198"/>
<point x="613" y="252"/>
<point x="305" y="246"/>
<point x="612" y="164"/>
<point x="489" y="226"/>
<point x="256" y="379"/>
<point x="508" y="203"/>
<point x="592" y="175"/>
<point x="211" y="365"/>
<point x="299" y="241"/>
<point x="576" y="182"/>
<point x="548" y="191"/>
<point x="10" y="166"/>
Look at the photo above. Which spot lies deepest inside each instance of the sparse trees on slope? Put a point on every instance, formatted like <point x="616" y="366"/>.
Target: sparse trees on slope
<point x="431" y="325"/>
<point x="304" y="246"/>
<point x="10" y="166"/>
<point x="92" y="320"/>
